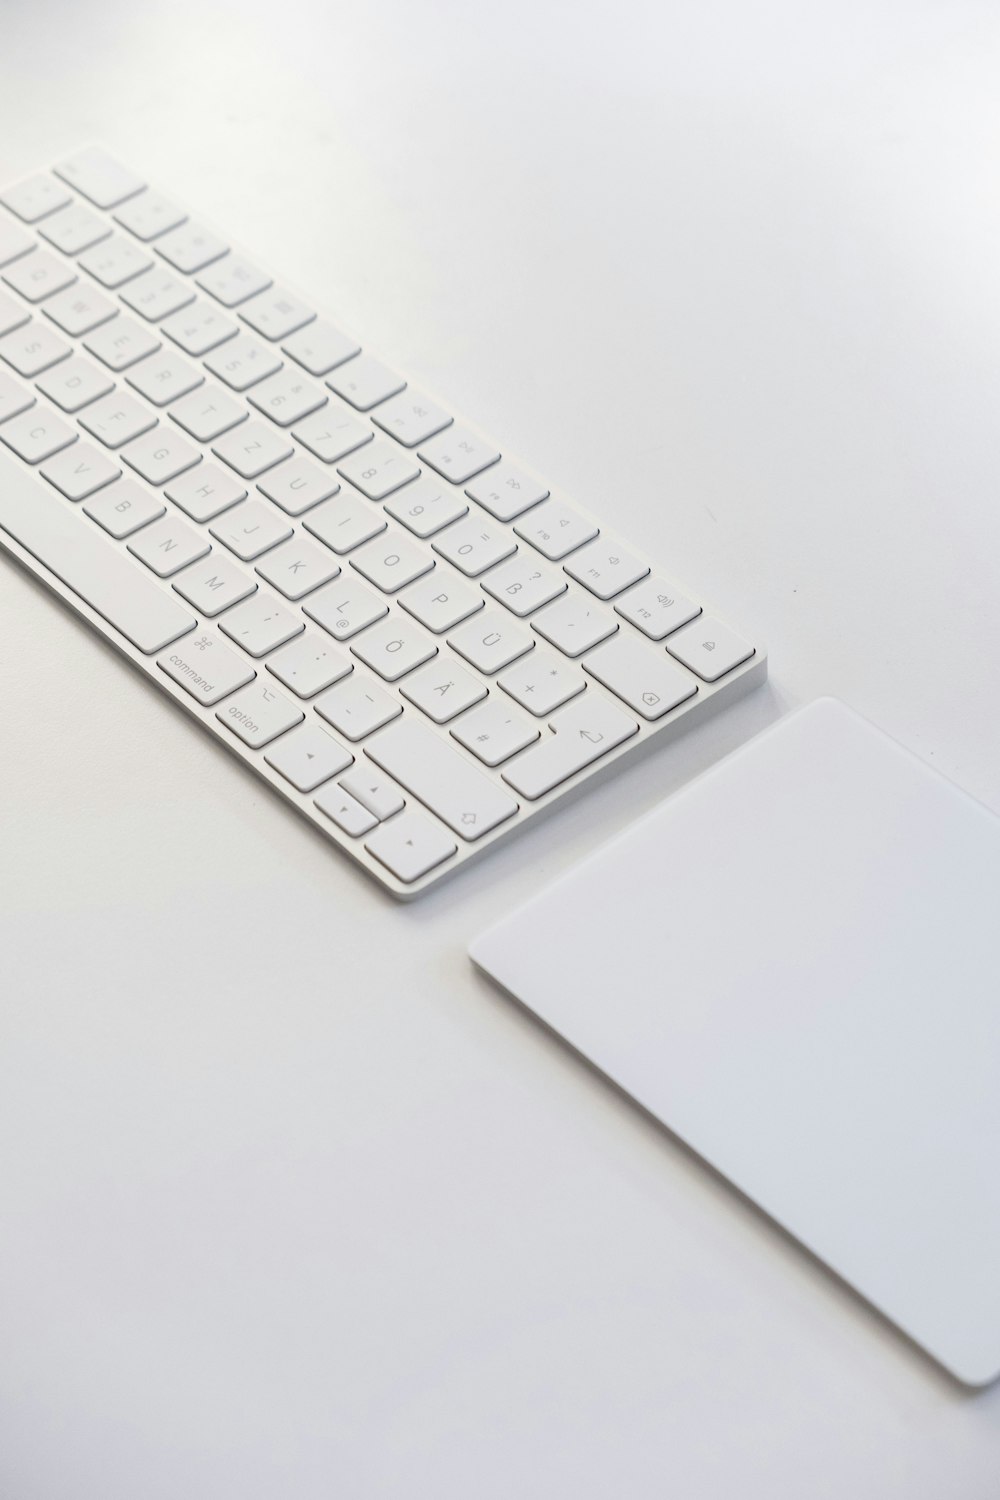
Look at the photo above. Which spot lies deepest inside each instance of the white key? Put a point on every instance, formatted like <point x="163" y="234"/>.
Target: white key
<point x="573" y="624"/>
<point x="33" y="348"/>
<point x="410" y="845"/>
<point x="35" y="197"/>
<point x="458" y="454"/>
<point x="115" y="261"/>
<point x="14" y="241"/>
<point x="308" y="664"/>
<point x="332" y="432"/>
<point x="74" y="383"/>
<point x="232" y="280"/>
<point x="441" y="777"/>
<point x="121" y="343"/>
<point x="411" y="418"/>
<point x="199" y="328"/>
<point x="297" y="567"/>
<point x="427" y="506"/>
<point x="320" y="347"/>
<point x="307" y="757"/>
<point x="378" y="470"/>
<point x="13" y="314"/>
<point x="473" y="547"/>
<point x="14" y="397"/>
<point x="36" y="435"/>
<point x="391" y="562"/>
<point x="167" y="546"/>
<point x="205" y="492"/>
<point x="38" y="274"/>
<point x="259" y="714"/>
<point x="344" y="522"/>
<point x="555" y="529"/>
<point x="156" y="294"/>
<point x="495" y="732"/>
<point x="261" y="624"/>
<point x="99" y="177"/>
<point x="542" y="681"/>
<point x="656" y="608"/>
<point x="287" y="397"/>
<point x="117" y="419"/>
<point x="103" y="577"/>
<point x="358" y="706"/>
<point x="275" y="313"/>
<point x="250" y="529"/>
<point x="160" y="455"/>
<point x="252" y="448"/>
<point x="709" y="648"/>
<point x="213" y="584"/>
<point x="243" y="362"/>
<point x="80" y="470"/>
<point x="149" y="214"/>
<point x="364" y="382"/>
<point x="441" y="601"/>
<point x="344" y="810"/>
<point x="377" y="795"/>
<point x="164" y="377"/>
<point x="123" y="507"/>
<point x="443" y="689"/>
<point x="80" y="308"/>
<point x="506" y="491"/>
<point x="523" y="586"/>
<point x="190" y="248"/>
<point x="491" y="641"/>
<point x="584" y="731"/>
<point x="208" y="412"/>
<point x="73" y="229"/>
<point x="605" y="568"/>
<point x="344" y="607"/>
<point x="641" y="676"/>
<point x="297" y="485"/>
<point x="394" y="648"/>
<point x="206" y="668"/>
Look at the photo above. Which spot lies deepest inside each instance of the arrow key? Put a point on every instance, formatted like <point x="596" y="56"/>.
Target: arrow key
<point x="307" y="757"/>
<point x="411" y="845"/>
<point x="374" y="792"/>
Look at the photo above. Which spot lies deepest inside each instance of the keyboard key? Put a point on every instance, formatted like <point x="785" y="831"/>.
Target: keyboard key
<point x="232" y="280"/>
<point x="80" y="470"/>
<point x="287" y="397"/>
<point x="331" y="433"/>
<point x="655" y="608"/>
<point x="33" y="348"/>
<point x="35" y="197"/>
<point x="641" y="676"/>
<point x="160" y="455"/>
<point x="243" y="362"/>
<point x="213" y="585"/>
<point x="522" y="586"/>
<point x="344" y="522"/>
<point x="410" y="845"/>
<point x="394" y="648"/>
<point x="344" y="607"/>
<point x="458" y="454"/>
<point x="708" y="647"/>
<point x="123" y="507"/>
<point x="164" y="377"/>
<point x="344" y="810"/>
<point x="261" y="624"/>
<point x="199" y="328"/>
<point x="74" y="383"/>
<point x="167" y="546"/>
<point x="426" y="506"/>
<point x="14" y="241"/>
<point x="14" y="397"/>
<point x="252" y="448"/>
<point x="297" y="485"/>
<point x="117" y="418"/>
<point x="73" y="229"/>
<point x="297" y="567"/>
<point x="473" y="547"/>
<point x="441" y="601"/>
<point x="506" y="492"/>
<point x="36" y="435"/>
<point x="307" y="757"/>
<point x="555" y="530"/>
<point x="542" y="681"/>
<point x="441" y="778"/>
<point x="573" y="624"/>
<point x="206" y="668"/>
<point x="121" y="343"/>
<point x="358" y="706"/>
<point x="391" y="562"/>
<point x="258" y="714"/>
<point x="377" y="795"/>
<point x="378" y="470"/>
<point x="495" y="732"/>
<point x="364" y="382"/>
<point x="308" y="664"/>
<point x="250" y="529"/>
<point x="208" y="412"/>
<point x="491" y="641"/>
<point x="605" y="568"/>
<point x="156" y="294"/>
<point x="583" y="731"/>
<point x="13" y="314"/>
<point x="411" y="418"/>
<point x="205" y="492"/>
<point x="99" y="177"/>
<point x="80" y="308"/>
<point x="190" y="248"/>
<point x="443" y="689"/>
<point x="320" y="347"/>
<point x="38" y="274"/>
<point x="149" y="214"/>
<point x="115" y="261"/>
<point x="275" y="313"/>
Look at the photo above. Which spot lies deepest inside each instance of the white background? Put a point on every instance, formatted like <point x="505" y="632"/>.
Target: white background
<point x="293" y="1204"/>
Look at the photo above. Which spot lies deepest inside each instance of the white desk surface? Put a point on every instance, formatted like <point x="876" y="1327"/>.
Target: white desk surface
<point x="303" y="1208"/>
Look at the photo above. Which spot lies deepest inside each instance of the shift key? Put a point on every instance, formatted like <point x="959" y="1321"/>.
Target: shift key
<point x="441" y="778"/>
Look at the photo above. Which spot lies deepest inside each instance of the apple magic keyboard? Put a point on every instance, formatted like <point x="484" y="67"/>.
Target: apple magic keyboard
<point x="405" y="632"/>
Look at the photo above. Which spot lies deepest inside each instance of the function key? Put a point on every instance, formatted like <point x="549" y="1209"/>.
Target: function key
<point x="506" y="492"/>
<point x="35" y="197"/>
<point x="458" y="454"/>
<point x="149" y="214"/>
<point x="555" y="529"/>
<point x="605" y="568"/>
<point x="99" y="177"/>
<point x="320" y="347"/>
<point x="364" y="382"/>
<point x="74" y="229"/>
<point x="190" y="248"/>
<point x="232" y="280"/>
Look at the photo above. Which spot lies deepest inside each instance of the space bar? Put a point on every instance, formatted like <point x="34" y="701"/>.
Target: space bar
<point x="76" y="553"/>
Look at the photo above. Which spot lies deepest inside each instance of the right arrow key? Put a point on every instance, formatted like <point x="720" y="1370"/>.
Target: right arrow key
<point x="582" y="732"/>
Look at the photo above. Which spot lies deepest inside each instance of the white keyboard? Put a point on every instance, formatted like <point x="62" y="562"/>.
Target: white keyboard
<point x="405" y="632"/>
